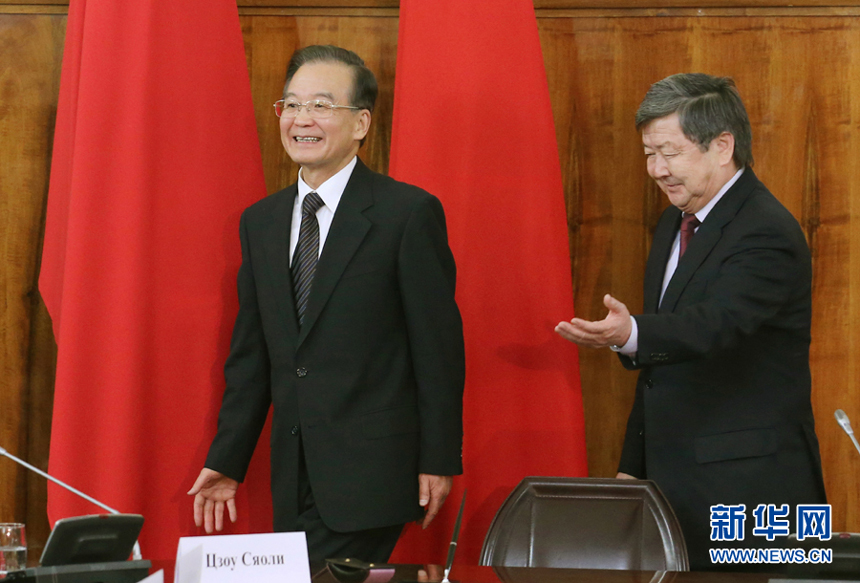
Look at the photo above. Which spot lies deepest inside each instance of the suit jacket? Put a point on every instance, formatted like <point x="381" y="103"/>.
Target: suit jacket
<point x="371" y="385"/>
<point x="722" y="412"/>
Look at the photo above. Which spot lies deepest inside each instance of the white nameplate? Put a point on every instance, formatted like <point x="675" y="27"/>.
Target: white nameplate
<point x="157" y="577"/>
<point x="280" y="557"/>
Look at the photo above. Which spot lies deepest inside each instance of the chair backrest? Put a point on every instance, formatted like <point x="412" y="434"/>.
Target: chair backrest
<point x="586" y="523"/>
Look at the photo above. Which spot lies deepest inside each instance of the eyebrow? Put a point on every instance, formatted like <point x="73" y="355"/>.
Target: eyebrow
<point x="325" y="94"/>
<point x="660" y="146"/>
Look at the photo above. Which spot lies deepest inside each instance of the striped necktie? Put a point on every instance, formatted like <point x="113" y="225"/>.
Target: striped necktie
<point x="307" y="253"/>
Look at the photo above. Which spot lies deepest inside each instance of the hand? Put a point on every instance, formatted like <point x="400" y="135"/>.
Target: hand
<point x="614" y="329"/>
<point x="430" y="573"/>
<point x="212" y="491"/>
<point x="623" y="476"/>
<point x="432" y="491"/>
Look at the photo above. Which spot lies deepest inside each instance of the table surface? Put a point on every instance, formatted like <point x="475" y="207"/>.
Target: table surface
<point x="476" y="574"/>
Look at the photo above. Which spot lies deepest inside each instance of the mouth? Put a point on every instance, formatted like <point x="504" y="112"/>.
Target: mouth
<point x="306" y="139"/>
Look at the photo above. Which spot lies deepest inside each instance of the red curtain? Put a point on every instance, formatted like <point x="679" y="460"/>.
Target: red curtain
<point x="473" y="125"/>
<point x="155" y="156"/>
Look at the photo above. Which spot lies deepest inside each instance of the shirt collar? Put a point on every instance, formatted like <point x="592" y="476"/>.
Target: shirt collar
<point x="703" y="212"/>
<point x="332" y="189"/>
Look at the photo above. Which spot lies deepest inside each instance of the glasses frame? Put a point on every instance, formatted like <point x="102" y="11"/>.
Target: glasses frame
<point x="329" y="108"/>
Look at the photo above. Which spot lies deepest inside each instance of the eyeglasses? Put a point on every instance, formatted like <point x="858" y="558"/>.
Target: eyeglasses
<point x="316" y="108"/>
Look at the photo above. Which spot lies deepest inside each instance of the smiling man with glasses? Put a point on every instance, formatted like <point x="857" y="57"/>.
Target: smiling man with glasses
<point x="347" y="326"/>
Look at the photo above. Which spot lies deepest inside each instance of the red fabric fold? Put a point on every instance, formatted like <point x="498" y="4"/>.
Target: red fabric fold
<point x="473" y="125"/>
<point x="155" y="156"/>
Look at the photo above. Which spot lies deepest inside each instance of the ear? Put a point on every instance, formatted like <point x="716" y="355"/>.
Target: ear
<point x="725" y="145"/>
<point x="362" y="124"/>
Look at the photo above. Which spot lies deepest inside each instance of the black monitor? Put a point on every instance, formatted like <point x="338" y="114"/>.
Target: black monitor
<point x="98" y="538"/>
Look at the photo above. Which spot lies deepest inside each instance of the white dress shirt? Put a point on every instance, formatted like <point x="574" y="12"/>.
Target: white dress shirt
<point x="330" y="192"/>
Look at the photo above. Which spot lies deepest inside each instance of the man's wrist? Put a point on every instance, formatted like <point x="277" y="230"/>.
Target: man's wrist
<point x="632" y="344"/>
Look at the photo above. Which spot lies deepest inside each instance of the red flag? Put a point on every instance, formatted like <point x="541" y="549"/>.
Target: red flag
<point x="473" y="125"/>
<point x="155" y="156"/>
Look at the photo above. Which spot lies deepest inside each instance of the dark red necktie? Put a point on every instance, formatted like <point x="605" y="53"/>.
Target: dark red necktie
<point x="688" y="227"/>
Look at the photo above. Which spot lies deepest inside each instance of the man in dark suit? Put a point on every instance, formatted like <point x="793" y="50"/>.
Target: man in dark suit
<point x="722" y="411"/>
<point x="347" y="326"/>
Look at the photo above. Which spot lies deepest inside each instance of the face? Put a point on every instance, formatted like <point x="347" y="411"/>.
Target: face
<point x="688" y="176"/>
<point x="323" y="146"/>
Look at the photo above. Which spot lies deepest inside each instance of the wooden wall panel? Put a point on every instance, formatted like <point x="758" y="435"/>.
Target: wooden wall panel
<point x="799" y="79"/>
<point x="29" y="74"/>
<point x="797" y="69"/>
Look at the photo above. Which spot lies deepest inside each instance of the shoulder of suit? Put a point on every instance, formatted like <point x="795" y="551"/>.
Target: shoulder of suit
<point x="267" y="205"/>
<point x="387" y="190"/>
<point x="763" y="212"/>
<point x="385" y="183"/>
<point x="760" y="201"/>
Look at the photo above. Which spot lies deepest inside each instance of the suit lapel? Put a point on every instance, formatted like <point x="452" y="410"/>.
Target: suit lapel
<point x="348" y="229"/>
<point x="277" y="246"/>
<point x="707" y="237"/>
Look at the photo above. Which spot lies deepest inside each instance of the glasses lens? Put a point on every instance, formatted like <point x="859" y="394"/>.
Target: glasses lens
<point x="319" y="108"/>
<point x="316" y="109"/>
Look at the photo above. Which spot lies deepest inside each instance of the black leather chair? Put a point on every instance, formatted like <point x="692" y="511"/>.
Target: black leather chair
<point x="586" y="523"/>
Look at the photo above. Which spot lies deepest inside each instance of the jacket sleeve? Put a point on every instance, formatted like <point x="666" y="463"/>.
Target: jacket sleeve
<point x="247" y="396"/>
<point x="427" y="276"/>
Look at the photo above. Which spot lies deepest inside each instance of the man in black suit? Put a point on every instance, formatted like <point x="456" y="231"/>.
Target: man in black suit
<point x="347" y="326"/>
<point x="722" y="411"/>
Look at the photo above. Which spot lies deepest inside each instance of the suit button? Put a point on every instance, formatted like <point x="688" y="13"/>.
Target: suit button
<point x="301" y="372"/>
<point x="295" y="430"/>
<point x="649" y="384"/>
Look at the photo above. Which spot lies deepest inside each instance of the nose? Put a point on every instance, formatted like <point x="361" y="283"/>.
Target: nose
<point x="657" y="166"/>
<point x="304" y="116"/>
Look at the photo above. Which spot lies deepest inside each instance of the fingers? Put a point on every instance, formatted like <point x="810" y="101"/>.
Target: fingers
<point x="219" y="516"/>
<point x="198" y="510"/>
<point x="423" y="490"/>
<point x="568" y="332"/>
<point x="439" y="487"/>
<point x="580" y="328"/>
<point x="208" y="516"/>
<point x="582" y="332"/>
<point x="610" y="302"/>
<point x="614" y="305"/>
<point x="614" y="329"/>
<point x="586" y="327"/>
<point x="435" y="572"/>
<point x="198" y="483"/>
<point x="433" y="508"/>
<point x="212" y="491"/>
<point x="430" y="573"/>
<point x="231" y="509"/>
<point x="210" y="513"/>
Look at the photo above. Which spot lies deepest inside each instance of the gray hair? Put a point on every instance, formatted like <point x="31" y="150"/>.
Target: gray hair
<point x="364" y="86"/>
<point x="706" y="106"/>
